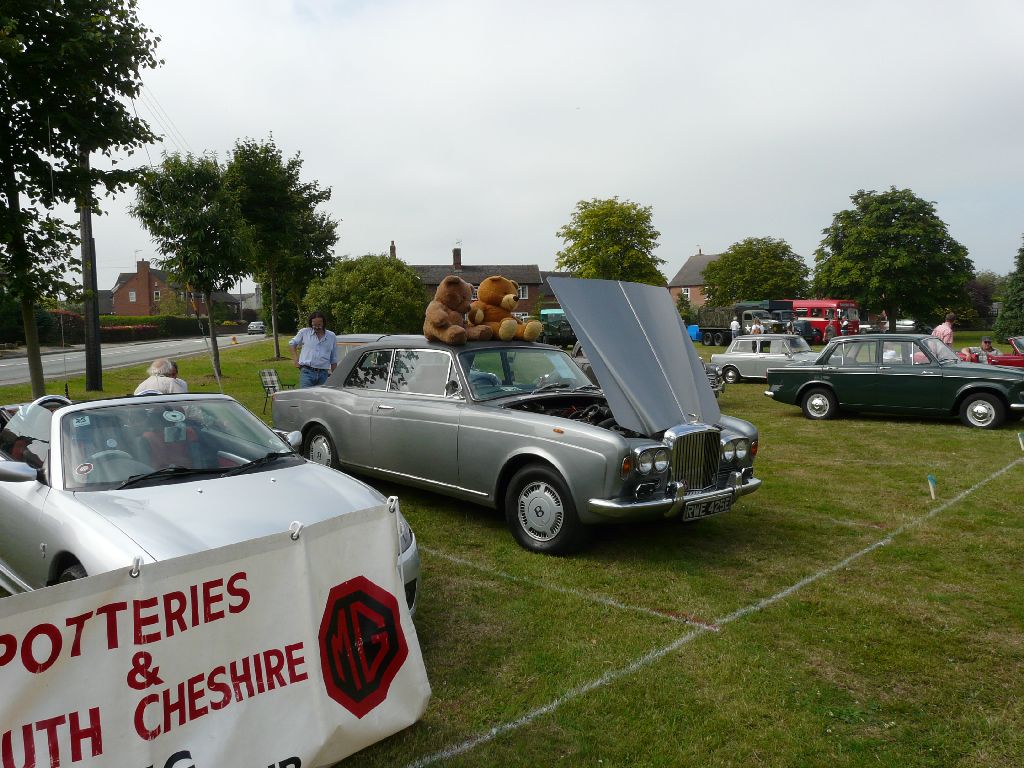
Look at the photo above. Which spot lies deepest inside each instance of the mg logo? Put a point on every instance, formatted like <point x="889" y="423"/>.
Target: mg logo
<point x="362" y="645"/>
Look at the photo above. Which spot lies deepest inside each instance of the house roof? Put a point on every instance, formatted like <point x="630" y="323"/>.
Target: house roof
<point x="124" y="277"/>
<point x="433" y="274"/>
<point x="692" y="272"/>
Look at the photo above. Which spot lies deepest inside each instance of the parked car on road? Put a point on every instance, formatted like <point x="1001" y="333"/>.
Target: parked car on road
<point x="91" y="486"/>
<point x="899" y="374"/>
<point x="750" y="357"/>
<point x="518" y="426"/>
<point x="256" y="326"/>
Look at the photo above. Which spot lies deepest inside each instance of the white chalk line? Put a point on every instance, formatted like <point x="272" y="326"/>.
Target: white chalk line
<point x="658" y="653"/>
<point x="585" y="596"/>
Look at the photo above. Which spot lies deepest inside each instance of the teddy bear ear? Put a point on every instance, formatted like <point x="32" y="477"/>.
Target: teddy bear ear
<point x="451" y="280"/>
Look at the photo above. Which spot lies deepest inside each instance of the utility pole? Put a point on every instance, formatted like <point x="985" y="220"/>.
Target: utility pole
<point x="91" y="309"/>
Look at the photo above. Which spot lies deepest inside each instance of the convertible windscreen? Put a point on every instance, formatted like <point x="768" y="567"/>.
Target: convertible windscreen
<point x="109" y="446"/>
<point x="494" y="373"/>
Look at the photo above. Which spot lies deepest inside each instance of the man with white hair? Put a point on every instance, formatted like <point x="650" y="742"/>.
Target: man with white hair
<point x="163" y="379"/>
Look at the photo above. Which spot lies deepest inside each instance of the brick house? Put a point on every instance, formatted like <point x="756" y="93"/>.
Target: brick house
<point x="139" y="293"/>
<point x="689" y="280"/>
<point x="528" y="276"/>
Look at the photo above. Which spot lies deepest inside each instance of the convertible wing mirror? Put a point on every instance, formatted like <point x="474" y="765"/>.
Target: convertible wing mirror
<point x="17" y="472"/>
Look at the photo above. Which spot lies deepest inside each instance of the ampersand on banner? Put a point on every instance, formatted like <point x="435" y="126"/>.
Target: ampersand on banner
<point x="140" y="676"/>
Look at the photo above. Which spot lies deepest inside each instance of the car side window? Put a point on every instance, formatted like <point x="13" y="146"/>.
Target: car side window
<point x="777" y="347"/>
<point x="896" y="353"/>
<point x="850" y="355"/>
<point x="26" y="437"/>
<point x="420" y="371"/>
<point x="371" y="372"/>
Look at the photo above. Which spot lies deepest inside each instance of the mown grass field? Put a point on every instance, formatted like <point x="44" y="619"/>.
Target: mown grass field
<point x="838" y="617"/>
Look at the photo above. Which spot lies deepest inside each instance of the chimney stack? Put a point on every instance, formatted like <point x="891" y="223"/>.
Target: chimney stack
<point x="457" y="258"/>
<point x="394" y="251"/>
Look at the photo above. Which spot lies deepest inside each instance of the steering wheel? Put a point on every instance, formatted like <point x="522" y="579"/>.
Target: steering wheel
<point x="112" y="454"/>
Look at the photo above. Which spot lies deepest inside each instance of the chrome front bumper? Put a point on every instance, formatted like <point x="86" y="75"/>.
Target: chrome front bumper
<point x="670" y="505"/>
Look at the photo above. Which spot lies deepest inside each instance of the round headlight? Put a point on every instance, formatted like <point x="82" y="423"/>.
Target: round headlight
<point x="729" y="450"/>
<point x="661" y="460"/>
<point x="645" y="462"/>
<point x="742" y="449"/>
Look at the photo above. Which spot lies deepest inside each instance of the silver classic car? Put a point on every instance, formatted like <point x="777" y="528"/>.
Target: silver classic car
<point x="86" y="488"/>
<point x="518" y="426"/>
<point x="750" y="357"/>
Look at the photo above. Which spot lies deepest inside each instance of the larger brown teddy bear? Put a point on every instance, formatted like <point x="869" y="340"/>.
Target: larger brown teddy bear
<point x="497" y="296"/>
<point x="445" y="320"/>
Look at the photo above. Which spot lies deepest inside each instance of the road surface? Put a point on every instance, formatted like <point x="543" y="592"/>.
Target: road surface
<point x="14" y="370"/>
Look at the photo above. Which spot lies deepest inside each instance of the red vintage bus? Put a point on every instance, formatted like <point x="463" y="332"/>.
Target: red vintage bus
<point x="830" y="316"/>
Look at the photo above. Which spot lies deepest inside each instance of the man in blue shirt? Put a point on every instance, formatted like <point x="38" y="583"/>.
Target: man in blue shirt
<point x="319" y="355"/>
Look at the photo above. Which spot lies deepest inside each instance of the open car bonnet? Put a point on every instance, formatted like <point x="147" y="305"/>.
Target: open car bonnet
<point x="643" y="358"/>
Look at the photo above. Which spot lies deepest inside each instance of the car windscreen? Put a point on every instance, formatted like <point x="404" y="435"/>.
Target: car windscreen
<point x="799" y="344"/>
<point x="939" y="350"/>
<point x="498" y="372"/>
<point x="105" y="446"/>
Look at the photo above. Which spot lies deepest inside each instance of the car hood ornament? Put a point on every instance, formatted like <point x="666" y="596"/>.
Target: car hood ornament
<point x="643" y="358"/>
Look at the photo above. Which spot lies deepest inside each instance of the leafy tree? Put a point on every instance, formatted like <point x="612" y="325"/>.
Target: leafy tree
<point x="755" y="268"/>
<point x="293" y="241"/>
<point x="65" y="71"/>
<point x="370" y="294"/>
<point x="1011" y="317"/>
<point x="684" y="308"/>
<point x="611" y="240"/>
<point x="196" y="223"/>
<point x="892" y="252"/>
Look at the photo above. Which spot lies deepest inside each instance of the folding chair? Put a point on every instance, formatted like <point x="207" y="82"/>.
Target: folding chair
<point x="271" y="384"/>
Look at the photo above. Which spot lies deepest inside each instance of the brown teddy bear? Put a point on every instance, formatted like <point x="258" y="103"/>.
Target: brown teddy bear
<point x="497" y="296"/>
<point x="446" y="320"/>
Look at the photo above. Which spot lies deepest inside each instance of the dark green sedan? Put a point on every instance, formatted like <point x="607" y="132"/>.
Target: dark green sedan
<point x="901" y="374"/>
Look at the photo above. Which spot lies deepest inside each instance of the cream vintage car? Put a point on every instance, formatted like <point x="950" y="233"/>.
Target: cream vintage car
<point x="519" y="427"/>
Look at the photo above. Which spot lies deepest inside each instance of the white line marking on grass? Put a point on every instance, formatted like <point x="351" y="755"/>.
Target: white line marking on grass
<point x="586" y="596"/>
<point x="658" y="653"/>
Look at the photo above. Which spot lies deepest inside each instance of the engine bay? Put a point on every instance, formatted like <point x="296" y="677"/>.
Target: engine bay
<point x="588" y="409"/>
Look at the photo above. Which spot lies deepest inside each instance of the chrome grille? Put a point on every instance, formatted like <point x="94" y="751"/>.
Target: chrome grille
<point x="696" y="452"/>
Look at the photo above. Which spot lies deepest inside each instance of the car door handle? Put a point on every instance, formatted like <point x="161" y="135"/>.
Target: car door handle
<point x="884" y="367"/>
<point x="385" y="407"/>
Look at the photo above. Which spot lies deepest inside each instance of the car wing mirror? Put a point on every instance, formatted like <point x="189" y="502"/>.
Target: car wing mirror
<point x="453" y="388"/>
<point x="17" y="472"/>
<point x="294" y="439"/>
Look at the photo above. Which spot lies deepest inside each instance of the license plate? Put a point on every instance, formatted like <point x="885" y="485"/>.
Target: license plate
<point x="707" y="507"/>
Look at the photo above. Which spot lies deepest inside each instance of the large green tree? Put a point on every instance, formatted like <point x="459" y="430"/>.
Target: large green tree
<point x="293" y="241"/>
<point x="755" y="268"/>
<point x="1011" y="317"/>
<point x="370" y="294"/>
<point x="195" y="221"/>
<point x="611" y="240"/>
<point x="892" y="252"/>
<point x="66" y="69"/>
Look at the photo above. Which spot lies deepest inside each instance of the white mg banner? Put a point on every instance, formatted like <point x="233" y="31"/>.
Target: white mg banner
<point x="280" y="652"/>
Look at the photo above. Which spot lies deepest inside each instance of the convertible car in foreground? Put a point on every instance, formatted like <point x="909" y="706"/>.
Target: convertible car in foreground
<point x="900" y="374"/>
<point x="86" y="488"/>
<point x="518" y="426"/>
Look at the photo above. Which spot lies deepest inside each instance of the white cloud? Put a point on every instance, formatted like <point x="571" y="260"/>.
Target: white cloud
<point x="486" y="122"/>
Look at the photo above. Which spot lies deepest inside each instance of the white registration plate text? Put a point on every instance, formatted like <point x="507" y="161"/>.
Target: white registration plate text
<point x="707" y="507"/>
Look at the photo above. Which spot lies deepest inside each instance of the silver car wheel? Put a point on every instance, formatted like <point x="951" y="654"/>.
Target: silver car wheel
<point x="731" y="375"/>
<point x="540" y="511"/>
<point x="818" y="404"/>
<point x="320" y="450"/>
<point x="983" y="411"/>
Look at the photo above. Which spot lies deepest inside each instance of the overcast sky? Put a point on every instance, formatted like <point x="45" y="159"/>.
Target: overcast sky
<point x="483" y="123"/>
